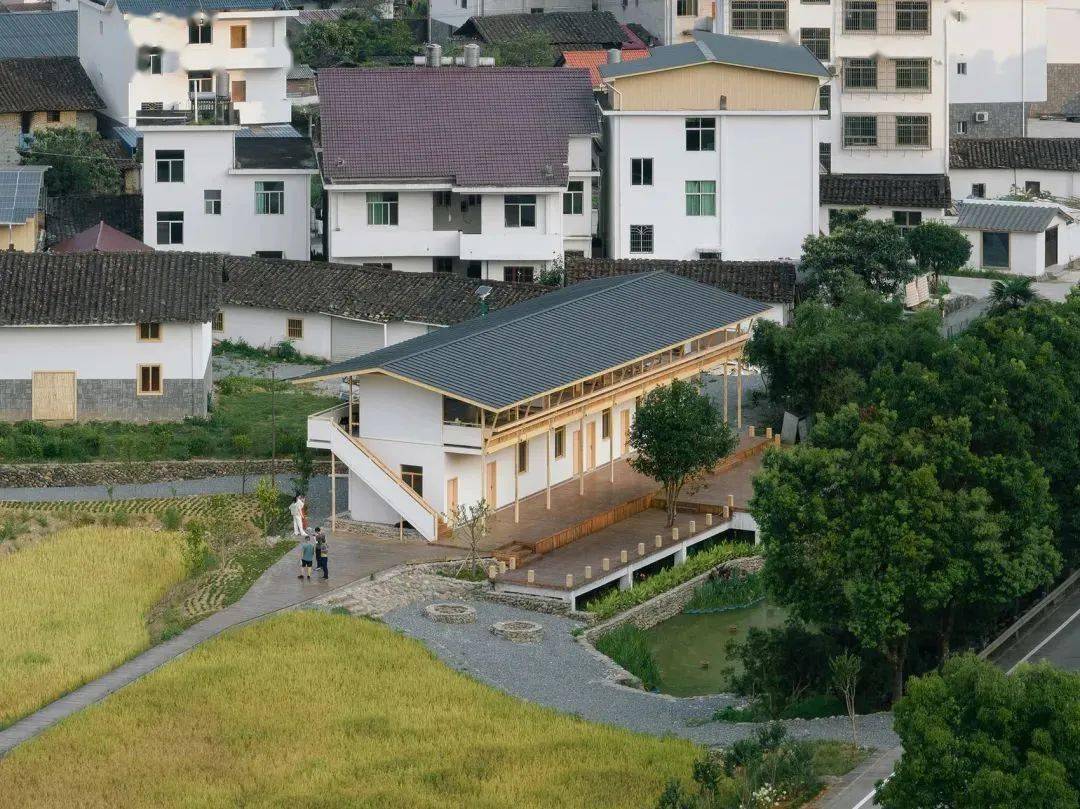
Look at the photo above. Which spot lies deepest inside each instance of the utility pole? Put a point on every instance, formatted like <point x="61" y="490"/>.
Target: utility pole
<point x="273" y="427"/>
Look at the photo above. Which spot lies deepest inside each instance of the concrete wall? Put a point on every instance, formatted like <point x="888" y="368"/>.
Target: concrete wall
<point x="1006" y="119"/>
<point x="11" y="129"/>
<point x="1027" y="251"/>
<point x="1000" y="182"/>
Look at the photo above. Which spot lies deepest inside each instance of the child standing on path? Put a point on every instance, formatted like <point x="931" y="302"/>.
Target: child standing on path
<point x="307" y="556"/>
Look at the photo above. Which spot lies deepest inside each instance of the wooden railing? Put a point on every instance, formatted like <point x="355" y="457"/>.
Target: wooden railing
<point x="594" y="523"/>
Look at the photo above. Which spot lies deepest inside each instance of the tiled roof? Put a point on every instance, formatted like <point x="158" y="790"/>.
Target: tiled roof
<point x="309" y="15"/>
<point x="1023" y="217"/>
<point x="20" y="193"/>
<point x="564" y="28"/>
<point x="46" y="83"/>
<point x="471" y="126"/>
<point x="297" y="72"/>
<point x="268" y="131"/>
<point x="644" y="34"/>
<point x="104" y="288"/>
<point x="101" y="238"/>
<point x="904" y="190"/>
<point x="1048" y="154"/>
<point x="274" y="153"/>
<point x="591" y="60"/>
<point x="767" y="281"/>
<point x="67" y="216"/>
<point x="632" y="40"/>
<point x="186" y="8"/>
<point x="45" y="33"/>
<point x="119" y="153"/>
<point x="364" y="293"/>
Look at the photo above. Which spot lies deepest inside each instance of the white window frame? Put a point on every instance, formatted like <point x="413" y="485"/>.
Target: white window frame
<point x="269" y="198"/>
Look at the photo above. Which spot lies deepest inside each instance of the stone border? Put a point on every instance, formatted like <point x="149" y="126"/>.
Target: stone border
<point x="446" y="612"/>
<point x="106" y="473"/>
<point x="518" y="631"/>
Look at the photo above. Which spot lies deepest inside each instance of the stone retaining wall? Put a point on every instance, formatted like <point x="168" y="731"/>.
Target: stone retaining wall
<point x="106" y="473"/>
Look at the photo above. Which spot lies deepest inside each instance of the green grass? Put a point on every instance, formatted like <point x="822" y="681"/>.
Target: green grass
<point x="971" y="272"/>
<point x="718" y="593"/>
<point x="243" y="408"/>
<point x="815" y="706"/>
<point x="615" y="601"/>
<point x="309" y="709"/>
<point x="627" y="646"/>
<point x="282" y="352"/>
<point x="836" y="758"/>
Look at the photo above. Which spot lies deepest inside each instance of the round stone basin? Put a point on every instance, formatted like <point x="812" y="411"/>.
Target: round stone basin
<point x="451" y="613"/>
<point x="518" y="631"/>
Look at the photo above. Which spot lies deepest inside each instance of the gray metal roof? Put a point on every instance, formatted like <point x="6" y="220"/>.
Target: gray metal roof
<point x="1024" y="217"/>
<point x="26" y="34"/>
<point x="186" y="8"/>
<point x="20" y="193"/>
<point x="524" y="350"/>
<point x="729" y="50"/>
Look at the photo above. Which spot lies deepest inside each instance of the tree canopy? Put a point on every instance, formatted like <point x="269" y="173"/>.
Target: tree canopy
<point x="938" y="248"/>
<point x="974" y="737"/>
<point x="527" y="49"/>
<point x="873" y="251"/>
<point x="80" y="164"/>
<point x="354" y="39"/>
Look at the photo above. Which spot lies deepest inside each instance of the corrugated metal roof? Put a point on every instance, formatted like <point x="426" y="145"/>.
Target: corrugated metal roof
<point x="1023" y="217"/>
<point x="24" y="35"/>
<point x="268" y="131"/>
<point x="186" y="8"/>
<point x="524" y="350"/>
<point x="729" y="50"/>
<point x="20" y="193"/>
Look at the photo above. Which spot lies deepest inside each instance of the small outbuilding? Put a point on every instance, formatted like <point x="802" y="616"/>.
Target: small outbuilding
<point x="102" y="238"/>
<point x="1024" y="238"/>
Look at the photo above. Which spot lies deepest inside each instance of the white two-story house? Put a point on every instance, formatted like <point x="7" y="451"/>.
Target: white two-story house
<point x="227" y="189"/>
<point x="162" y="55"/>
<point x="711" y="150"/>
<point x="486" y="172"/>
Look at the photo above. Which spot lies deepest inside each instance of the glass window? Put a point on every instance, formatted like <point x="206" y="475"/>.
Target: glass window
<point x="560" y="442"/>
<point x="641" y="238"/>
<point x="413" y="477"/>
<point x="149" y="380"/>
<point x="860" y="74"/>
<point x="444" y="264"/>
<point x="912" y="74"/>
<point x="605" y="423"/>
<point x="382" y="207"/>
<point x="212" y="201"/>
<point x="270" y="196"/>
<point x="573" y="199"/>
<point x="1033" y="187"/>
<point x="825" y="157"/>
<point x="153" y="62"/>
<point x="912" y="130"/>
<point x="520" y="210"/>
<point x="219" y="321"/>
<point x="825" y="99"/>
<point x="700" y="134"/>
<point x="906" y="220"/>
<point x="522" y="457"/>
<point x="170" y="165"/>
<point x="518" y="274"/>
<point x="913" y="15"/>
<point x="641" y="171"/>
<point x="701" y="198"/>
<point x="170" y="227"/>
<point x="200" y="32"/>
<point x="978" y="190"/>
<point x="860" y="130"/>
<point x="816" y="41"/>
<point x="150" y="331"/>
<point x="860" y="15"/>
<point x="294" y="328"/>
<point x="758" y="15"/>
<point x="200" y="81"/>
<point x="961" y="68"/>
<point x="961" y="127"/>
<point x="686" y="8"/>
<point x="995" y="250"/>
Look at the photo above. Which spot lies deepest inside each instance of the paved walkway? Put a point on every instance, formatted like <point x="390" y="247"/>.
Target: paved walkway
<point x="278" y="588"/>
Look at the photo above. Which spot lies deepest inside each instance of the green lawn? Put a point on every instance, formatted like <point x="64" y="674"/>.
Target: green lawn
<point x="309" y="709"/>
<point x="243" y="408"/>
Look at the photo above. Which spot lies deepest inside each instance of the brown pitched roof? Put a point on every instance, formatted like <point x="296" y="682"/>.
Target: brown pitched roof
<point x="908" y="190"/>
<point x="108" y="288"/>
<point x="101" y="238"/>
<point x="363" y="292"/>
<point x="1047" y="154"/>
<point x="47" y="83"/>
<point x="767" y="281"/>
<point x="68" y="216"/>
<point x="471" y="126"/>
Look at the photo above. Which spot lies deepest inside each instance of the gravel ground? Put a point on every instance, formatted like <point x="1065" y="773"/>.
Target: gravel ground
<point x="566" y="675"/>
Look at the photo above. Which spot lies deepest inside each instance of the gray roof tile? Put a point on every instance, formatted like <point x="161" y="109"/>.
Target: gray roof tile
<point x="1024" y="217"/>
<point x="905" y="190"/>
<point x="46" y="83"/>
<point x="186" y="8"/>
<point x="565" y="28"/>
<point x="1048" y="154"/>
<point x="274" y="153"/>
<point x="39" y="33"/>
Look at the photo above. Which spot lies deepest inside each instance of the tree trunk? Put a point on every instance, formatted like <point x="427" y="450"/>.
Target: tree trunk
<point x="896" y="654"/>
<point x="672" y="493"/>
<point x="948" y="620"/>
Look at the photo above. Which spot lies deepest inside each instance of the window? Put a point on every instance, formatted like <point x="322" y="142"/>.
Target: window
<point x="149" y="332"/>
<point x="995" y="250"/>
<point x="523" y="275"/>
<point x="641" y="171"/>
<point x="860" y="15"/>
<point x="522" y="457"/>
<point x="520" y="210"/>
<point x="170" y="227"/>
<point x="294" y="328"/>
<point x="444" y="264"/>
<point x="473" y="270"/>
<point x="701" y="198"/>
<point x="149" y="380"/>
<point x="1033" y="187"/>
<point x="686" y="8"/>
<point x="464" y="3"/>
<point x="270" y="196"/>
<point x="912" y="74"/>
<point x="270" y="253"/>
<point x="906" y="220"/>
<point x="238" y="91"/>
<point x="219" y="321"/>
<point x="153" y="62"/>
<point x="860" y="130"/>
<point x="860" y="74"/>
<point x="700" y="134"/>
<point x="560" y="442"/>
<point x="382" y="208"/>
<point x="913" y="15"/>
<point x="573" y="199"/>
<point x="170" y="165"/>
<point x="824" y="99"/>
<point x="212" y="201"/>
<point x="441" y="199"/>
<point x="978" y="190"/>
<point x="413" y="477"/>
<point x="237" y="36"/>
<point x="758" y="15"/>
<point x="605" y="424"/>
<point x="816" y="41"/>
<point x="200" y="81"/>
<point x="53" y="116"/>
<point x="825" y="157"/>
<point x="961" y="68"/>
<point x="641" y="238"/>
<point x="913" y="130"/>
<point x="961" y="127"/>
<point x="200" y="33"/>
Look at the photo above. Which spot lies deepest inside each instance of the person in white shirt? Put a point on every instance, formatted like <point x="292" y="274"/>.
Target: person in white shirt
<point x="296" y="508"/>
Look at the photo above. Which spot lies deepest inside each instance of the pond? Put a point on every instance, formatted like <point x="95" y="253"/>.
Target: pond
<point x="691" y="650"/>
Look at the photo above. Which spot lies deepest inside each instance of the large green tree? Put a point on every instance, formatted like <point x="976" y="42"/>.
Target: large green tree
<point x="873" y="251"/>
<point x="938" y="248"/>
<point x="975" y="738"/>
<point x="79" y="163"/>
<point x="355" y="38"/>
<point x="678" y="435"/>
<point x="527" y="49"/>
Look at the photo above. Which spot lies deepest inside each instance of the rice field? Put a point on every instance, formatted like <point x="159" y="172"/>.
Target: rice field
<point x="311" y="709"/>
<point x="74" y="606"/>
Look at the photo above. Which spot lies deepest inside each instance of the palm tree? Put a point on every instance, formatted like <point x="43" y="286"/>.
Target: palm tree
<point x="1012" y="293"/>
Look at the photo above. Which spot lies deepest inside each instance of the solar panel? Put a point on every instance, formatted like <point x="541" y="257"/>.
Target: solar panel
<point x="20" y="193"/>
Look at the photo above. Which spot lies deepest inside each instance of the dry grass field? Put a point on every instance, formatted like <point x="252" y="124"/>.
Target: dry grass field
<point x="310" y="709"/>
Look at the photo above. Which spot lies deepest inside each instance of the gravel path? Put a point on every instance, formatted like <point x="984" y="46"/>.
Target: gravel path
<point x="566" y="675"/>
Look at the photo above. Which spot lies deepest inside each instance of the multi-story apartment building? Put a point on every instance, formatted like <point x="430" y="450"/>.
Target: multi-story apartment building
<point x="711" y="150"/>
<point x="181" y="54"/>
<point x="486" y="172"/>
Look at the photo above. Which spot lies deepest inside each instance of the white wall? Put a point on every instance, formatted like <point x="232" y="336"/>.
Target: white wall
<point x="237" y="230"/>
<point x="1026" y="252"/>
<point x="264" y="328"/>
<point x="1004" y="44"/>
<point x="1000" y="182"/>
<point x="879" y="212"/>
<point x="1063" y="32"/>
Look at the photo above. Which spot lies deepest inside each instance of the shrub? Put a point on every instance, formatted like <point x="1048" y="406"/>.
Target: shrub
<point x="627" y="646"/>
<point x="29" y="446"/>
<point x="121" y="518"/>
<point x="723" y="591"/>
<point x="171" y="518"/>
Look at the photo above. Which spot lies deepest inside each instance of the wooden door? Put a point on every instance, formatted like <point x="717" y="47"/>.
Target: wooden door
<point x="577" y="452"/>
<point x="238" y="36"/>
<point x="239" y="90"/>
<point x="52" y="396"/>
<point x="625" y="416"/>
<point x="492" y="493"/>
<point x="1051" y="246"/>
<point x="451" y="496"/>
<point x="591" y="435"/>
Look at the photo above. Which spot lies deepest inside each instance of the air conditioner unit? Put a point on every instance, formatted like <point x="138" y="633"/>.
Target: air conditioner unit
<point x="982" y="117"/>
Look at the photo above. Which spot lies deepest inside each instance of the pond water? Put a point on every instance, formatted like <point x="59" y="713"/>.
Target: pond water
<point x="691" y="650"/>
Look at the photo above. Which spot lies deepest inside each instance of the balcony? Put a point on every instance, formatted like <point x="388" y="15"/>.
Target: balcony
<point x="205" y="109"/>
<point x="457" y="212"/>
<point x="886" y="17"/>
<point x="216" y="57"/>
<point x="393" y="241"/>
<point x="461" y="438"/>
<point x="511" y="244"/>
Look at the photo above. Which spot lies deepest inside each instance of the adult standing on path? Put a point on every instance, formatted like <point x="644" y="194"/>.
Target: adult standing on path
<point x="322" y="550"/>
<point x="307" y="558"/>
<point x="296" y="509"/>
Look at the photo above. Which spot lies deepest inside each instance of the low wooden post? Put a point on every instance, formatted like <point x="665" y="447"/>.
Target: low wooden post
<point x="659" y="541"/>
<point x="727" y="513"/>
<point x="605" y="564"/>
<point x="708" y="519"/>
<point x="768" y="433"/>
<point x="623" y="557"/>
<point x="502" y="566"/>
<point x="588" y="571"/>
<point x="641" y="549"/>
<point x="569" y="581"/>
<point x="530" y="576"/>
<point x="693" y="528"/>
<point x="675" y="534"/>
<point x="731" y="501"/>
<point x="750" y="430"/>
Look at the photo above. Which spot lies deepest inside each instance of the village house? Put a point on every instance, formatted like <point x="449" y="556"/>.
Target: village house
<point x="995" y="167"/>
<point x="22" y="206"/>
<point x="106" y="336"/>
<point x="907" y="200"/>
<point x="484" y="172"/>
<point x="711" y="150"/>
<point x="1023" y="238"/>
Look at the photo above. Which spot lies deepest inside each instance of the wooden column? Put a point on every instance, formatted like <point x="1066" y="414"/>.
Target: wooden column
<point x="725" y="391"/>
<point x="483" y="468"/>
<point x="547" y="466"/>
<point x="611" y="439"/>
<point x="581" y="443"/>
<point x="738" y="401"/>
<point x="333" y="491"/>
<point x="517" y="471"/>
